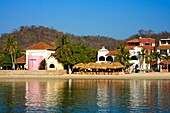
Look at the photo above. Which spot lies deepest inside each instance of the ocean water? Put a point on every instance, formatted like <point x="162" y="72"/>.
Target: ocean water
<point x="84" y="96"/>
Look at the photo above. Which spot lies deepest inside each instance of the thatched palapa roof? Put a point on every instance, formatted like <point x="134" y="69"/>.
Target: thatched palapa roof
<point x="103" y="65"/>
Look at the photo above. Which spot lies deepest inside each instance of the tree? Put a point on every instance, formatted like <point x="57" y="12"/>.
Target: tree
<point x="148" y="59"/>
<point x="70" y="54"/>
<point x="63" y="52"/>
<point x="160" y="58"/>
<point x="141" y="55"/>
<point x="10" y="48"/>
<point x="5" y="61"/>
<point x="122" y="55"/>
<point x="156" y="57"/>
<point x="166" y="57"/>
<point x="83" y="54"/>
<point x="141" y="32"/>
<point x="149" y="32"/>
<point x="42" y="64"/>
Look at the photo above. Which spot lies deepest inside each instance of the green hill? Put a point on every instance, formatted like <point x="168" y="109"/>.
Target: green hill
<point x="28" y="35"/>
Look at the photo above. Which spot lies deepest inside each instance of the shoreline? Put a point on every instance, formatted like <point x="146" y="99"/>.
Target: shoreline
<point x="44" y="75"/>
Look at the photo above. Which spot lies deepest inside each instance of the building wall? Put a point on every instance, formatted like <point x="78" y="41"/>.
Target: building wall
<point x="39" y="53"/>
<point x="102" y="52"/>
<point x="51" y="61"/>
<point x="34" y="62"/>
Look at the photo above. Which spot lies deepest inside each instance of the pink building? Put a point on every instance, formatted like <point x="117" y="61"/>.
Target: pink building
<point x="34" y="56"/>
<point x="36" y="53"/>
<point x="34" y="62"/>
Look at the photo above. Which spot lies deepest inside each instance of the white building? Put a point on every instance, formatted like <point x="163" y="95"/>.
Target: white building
<point x="135" y="60"/>
<point x="105" y="56"/>
<point x="163" y="48"/>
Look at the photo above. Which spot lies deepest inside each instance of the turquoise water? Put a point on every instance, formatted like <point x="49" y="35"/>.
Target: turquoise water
<point x="83" y="96"/>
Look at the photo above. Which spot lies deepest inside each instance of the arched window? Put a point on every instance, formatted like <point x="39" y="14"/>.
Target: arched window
<point x="52" y="66"/>
<point x="109" y="58"/>
<point x="101" y="58"/>
<point x="134" y="58"/>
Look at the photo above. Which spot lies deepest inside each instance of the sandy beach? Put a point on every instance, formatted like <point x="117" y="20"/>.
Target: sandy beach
<point x="55" y="75"/>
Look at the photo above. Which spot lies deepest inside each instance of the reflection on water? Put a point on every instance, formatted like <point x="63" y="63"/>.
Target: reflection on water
<point x="85" y="96"/>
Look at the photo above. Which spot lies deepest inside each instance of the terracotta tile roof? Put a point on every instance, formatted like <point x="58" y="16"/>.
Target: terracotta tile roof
<point x="39" y="46"/>
<point x="164" y="47"/>
<point x="129" y="47"/>
<point x="147" y="47"/>
<point x="134" y="40"/>
<point x="111" y="53"/>
<point x="165" y="62"/>
<point x="21" y="60"/>
<point x="147" y="40"/>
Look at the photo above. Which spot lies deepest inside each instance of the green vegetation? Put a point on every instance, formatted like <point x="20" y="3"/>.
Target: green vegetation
<point x="71" y="54"/>
<point x="9" y="53"/>
<point x="122" y="56"/>
<point x="166" y="57"/>
<point x="42" y="65"/>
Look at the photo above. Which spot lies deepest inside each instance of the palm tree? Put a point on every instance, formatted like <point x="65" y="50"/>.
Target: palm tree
<point x="156" y="57"/>
<point x="10" y="47"/>
<point x="63" y="52"/>
<point x="166" y="57"/>
<point x="141" y="55"/>
<point x="122" y="55"/>
<point x="148" y="58"/>
<point x="160" y="57"/>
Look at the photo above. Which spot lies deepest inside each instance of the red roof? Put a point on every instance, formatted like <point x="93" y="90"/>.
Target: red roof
<point x="147" y="47"/>
<point x="21" y="60"/>
<point x="147" y="40"/>
<point x="41" y="46"/>
<point x="111" y="53"/>
<point x="165" y="62"/>
<point x="164" y="47"/>
<point x="134" y="41"/>
<point x="129" y="47"/>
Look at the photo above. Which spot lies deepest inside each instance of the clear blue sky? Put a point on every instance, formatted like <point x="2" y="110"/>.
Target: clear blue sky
<point x="118" y="19"/>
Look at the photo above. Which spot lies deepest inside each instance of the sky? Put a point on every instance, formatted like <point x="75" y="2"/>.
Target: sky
<point x="118" y="19"/>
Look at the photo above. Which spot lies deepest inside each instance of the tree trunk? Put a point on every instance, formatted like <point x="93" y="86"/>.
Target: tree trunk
<point x="69" y="70"/>
<point x="167" y="66"/>
<point x="12" y="59"/>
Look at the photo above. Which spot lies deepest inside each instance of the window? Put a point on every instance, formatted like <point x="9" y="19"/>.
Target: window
<point x="168" y="41"/>
<point x="163" y="51"/>
<point x="52" y="66"/>
<point x="163" y="42"/>
<point x="146" y="44"/>
<point x="109" y="58"/>
<point x="101" y="58"/>
<point x="134" y="58"/>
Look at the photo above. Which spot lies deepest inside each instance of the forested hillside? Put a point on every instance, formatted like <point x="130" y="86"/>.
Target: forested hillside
<point x="28" y="35"/>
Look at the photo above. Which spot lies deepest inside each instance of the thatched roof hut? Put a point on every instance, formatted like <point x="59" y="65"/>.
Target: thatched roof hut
<point x="116" y="65"/>
<point x="103" y="65"/>
<point x="79" y="65"/>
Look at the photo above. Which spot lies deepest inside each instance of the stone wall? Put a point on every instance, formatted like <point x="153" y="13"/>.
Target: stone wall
<point x="32" y="72"/>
